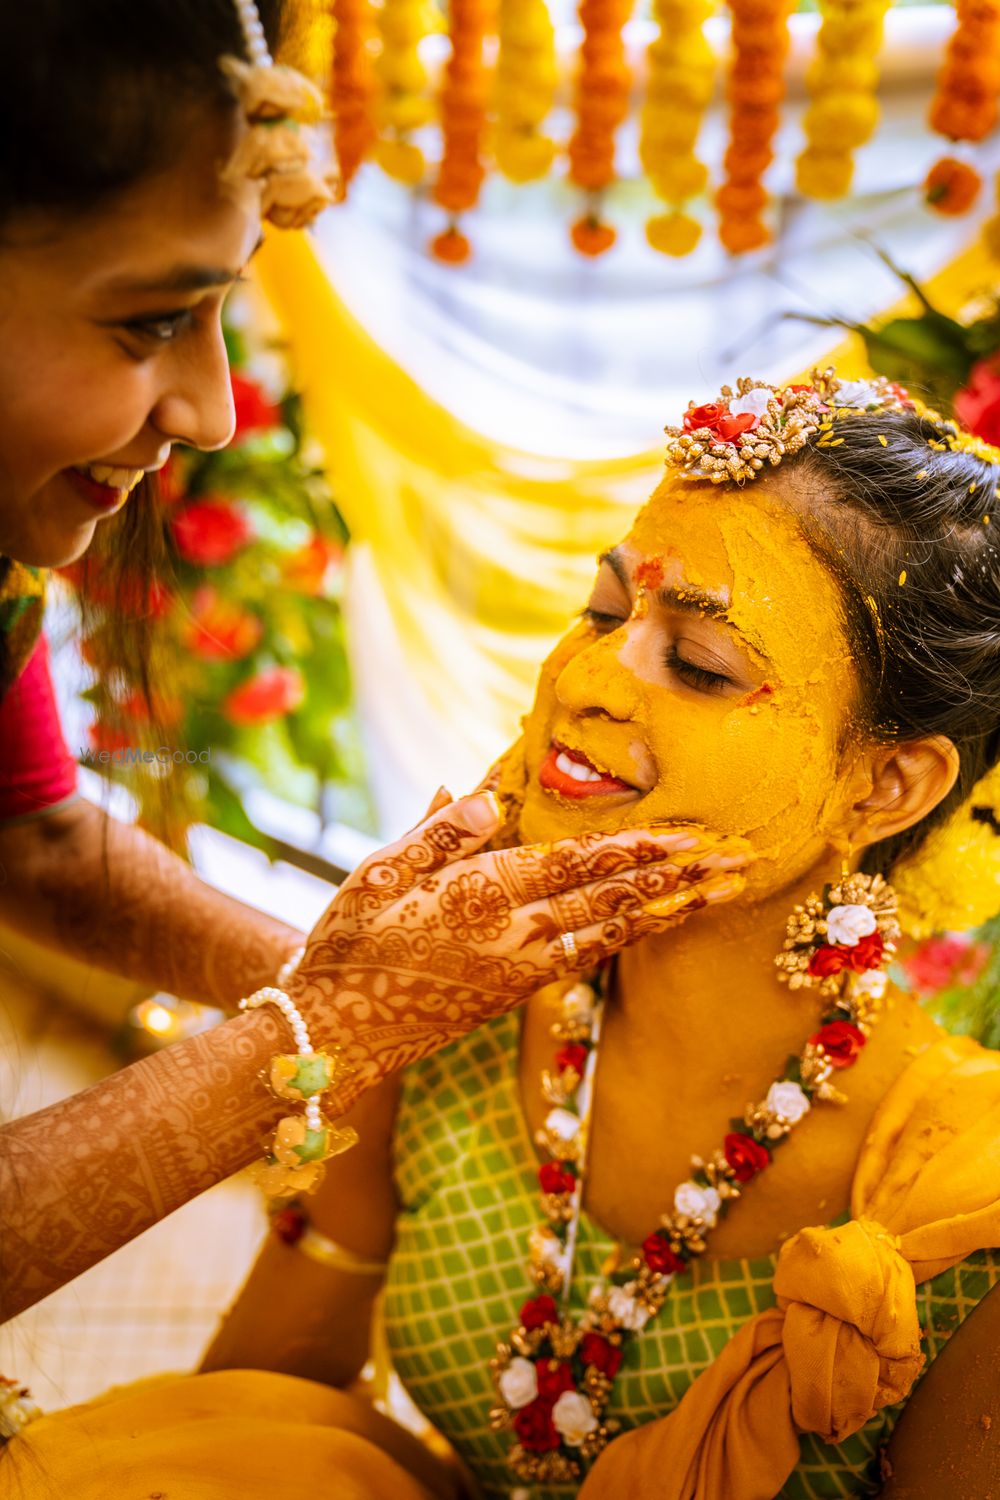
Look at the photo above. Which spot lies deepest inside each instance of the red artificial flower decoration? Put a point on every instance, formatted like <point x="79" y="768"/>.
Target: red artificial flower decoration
<point x="535" y="1428"/>
<point x="746" y="1156"/>
<point x="573" y="1055"/>
<point x="555" y="1178"/>
<point x="660" y="1258"/>
<point x="210" y="532"/>
<point x="716" y="416"/>
<point x="829" y="960"/>
<point x="554" y="1378"/>
<point x="255" y="412"/>
<point x="841" y="1041"/>
<point x="867" y="954"/>
<point x="220" y="629"/>
<point x="539" y="1311"/>
<point x="269" y="695"/>
<point x="730" y="427"/>
<point x="601" y="1353"/>
<point x="977" y="404"/>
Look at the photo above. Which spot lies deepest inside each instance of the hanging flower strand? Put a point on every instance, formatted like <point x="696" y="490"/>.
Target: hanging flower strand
<point x="463" y="123"/>
<point x="755" y="91"/>
<point x="524" y="94"/>
<point x="841" y="81"/>
<point x="602" y="98"/>
<point x="964" y="106"/>
<point x="678" y="91"/>
<point x="404" y="101"/>
<point x="352" y="87"/>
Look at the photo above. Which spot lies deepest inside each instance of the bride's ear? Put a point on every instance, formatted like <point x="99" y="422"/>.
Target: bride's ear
<point x="905" y="782"/>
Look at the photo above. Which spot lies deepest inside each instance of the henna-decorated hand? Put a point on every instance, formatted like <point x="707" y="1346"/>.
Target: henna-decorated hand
<point x="429" y="937"/>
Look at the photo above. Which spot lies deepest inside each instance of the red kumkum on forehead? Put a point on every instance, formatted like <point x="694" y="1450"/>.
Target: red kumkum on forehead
<point x="649" y="574"/>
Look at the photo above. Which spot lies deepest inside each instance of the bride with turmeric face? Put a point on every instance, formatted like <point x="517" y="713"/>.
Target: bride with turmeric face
<point x="691" y="1225"/>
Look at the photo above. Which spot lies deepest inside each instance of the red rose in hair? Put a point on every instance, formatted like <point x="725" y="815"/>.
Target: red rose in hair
<point x="254" y="411"/>
<point x="659" y="1256"/>
<point x="705" y="416"/>
<point x="271" y="694"/>
<point x="554" y="1377"/>
<point x="598" y="1351"/>
<point x="841" y="1041"/>
<point x="730" y="427"/>
<point x="210" y="531"/>
<point x="554" y="1178"/>
<point x="538" y="1311"/>
<point x="866" y="954"/>
<point x="573" y="1055"/>
<point x="535" y="1428"/>
<point x="746" y="1156"/>
<point x="829" y="960"/>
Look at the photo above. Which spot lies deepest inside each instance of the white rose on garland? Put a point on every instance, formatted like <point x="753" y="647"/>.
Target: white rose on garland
<point x="697" y="1202"/>
<point x="787" y="1100"/>
<point x="574" y="1418"/>
<point x="873" y="983"/>
<point x="519" y="1383"/>
<point x="847" y="925"/>
<point x="626" y="1310"/>
<point x="755" y="402"/>
<point x="563" y="1124"/>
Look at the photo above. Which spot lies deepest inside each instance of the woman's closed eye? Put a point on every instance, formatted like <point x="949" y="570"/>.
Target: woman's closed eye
<point x="603" y="620"/>
<point x="160" y="328"/>
<point x="694" y="676"/>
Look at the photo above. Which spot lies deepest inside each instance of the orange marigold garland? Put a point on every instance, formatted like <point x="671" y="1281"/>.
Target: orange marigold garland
<point x="524" y="93"/>
<point x="603" y="84"/>
<point x="404" y="102"/>
<point x="352" y="87"/>
<point x="755" y="90"/>
<point x="964" y="106"/>
<point x="463" y="123"/>
<point x="842" y="81"/>
<point x="678" y="91"/>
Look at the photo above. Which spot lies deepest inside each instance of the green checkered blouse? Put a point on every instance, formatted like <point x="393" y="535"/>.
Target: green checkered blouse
<point x="466" y="1173"/>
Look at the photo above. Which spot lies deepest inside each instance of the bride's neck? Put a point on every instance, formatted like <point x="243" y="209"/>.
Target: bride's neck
<point x="704" y="1000"/>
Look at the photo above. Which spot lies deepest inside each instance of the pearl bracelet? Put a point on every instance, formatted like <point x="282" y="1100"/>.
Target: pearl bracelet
<point x="301" y="1144"/>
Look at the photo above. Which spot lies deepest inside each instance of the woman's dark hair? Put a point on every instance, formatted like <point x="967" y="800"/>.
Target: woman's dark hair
<point x="98" y="95"/>
<point x="910" y="527"/>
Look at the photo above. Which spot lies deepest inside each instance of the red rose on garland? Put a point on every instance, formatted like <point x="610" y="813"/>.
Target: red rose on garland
<point x="255" y="412"/>
<point x="601" y="1353"/>
<point x="977" y="404"/>
<point x="720" y="421"/>
<point x="554" y="1178"/>
<point x="841" y="1041"/>
<point x="660" y="1258"/>
<point x="535" y="1428"/>
<point x="705" y="416"/>
<point x="210" y="532"/>
<point x="829" y="960"/>
<point x="746" y="1156"/>
<point x="554" y="1377"/>
<point x="273" y="693"/>
<point x="573" y="1055"/>
<point x="867" y="954"/>
<point x="538" y="1311"/>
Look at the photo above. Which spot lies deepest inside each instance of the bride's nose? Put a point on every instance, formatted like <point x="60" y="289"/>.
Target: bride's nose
<point x="596" y="680"/>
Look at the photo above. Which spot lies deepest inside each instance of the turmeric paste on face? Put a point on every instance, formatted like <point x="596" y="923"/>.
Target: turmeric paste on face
<point x="760" y="752"/>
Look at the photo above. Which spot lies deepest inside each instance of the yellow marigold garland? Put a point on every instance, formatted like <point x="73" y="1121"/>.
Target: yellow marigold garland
<point x="352" y="87"/>
<point x="755" y="90"/>
<point x="463" y="123"/>
<point x="841" y="81"/>
<point x="601" y="100"/>
<point x="524" y="93"/>
<point x="404" y="103"/>
<point x="678" y="91"/>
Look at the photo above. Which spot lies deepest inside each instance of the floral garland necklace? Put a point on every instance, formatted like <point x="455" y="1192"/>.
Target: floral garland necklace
<point x="555" y="1374"/>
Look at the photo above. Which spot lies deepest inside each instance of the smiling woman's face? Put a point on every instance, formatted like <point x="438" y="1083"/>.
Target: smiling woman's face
<point x="710" y="681"/>
<point x="111" y="345"/>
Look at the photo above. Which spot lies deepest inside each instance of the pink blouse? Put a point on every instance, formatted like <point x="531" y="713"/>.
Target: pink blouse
<point x="36" y="769"/>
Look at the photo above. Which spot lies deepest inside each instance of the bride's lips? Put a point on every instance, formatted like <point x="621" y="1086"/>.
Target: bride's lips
<point x="571" y="774"/>
<point x="104" y="498"/>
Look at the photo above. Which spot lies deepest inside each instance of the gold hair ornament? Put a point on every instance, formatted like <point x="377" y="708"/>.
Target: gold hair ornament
<point x="278" y="150"/>
<point x="734" y="438"/>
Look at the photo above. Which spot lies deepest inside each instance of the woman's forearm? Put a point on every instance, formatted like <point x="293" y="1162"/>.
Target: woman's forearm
<point x="109" y="894"/>
<point x="83" y="1177"/>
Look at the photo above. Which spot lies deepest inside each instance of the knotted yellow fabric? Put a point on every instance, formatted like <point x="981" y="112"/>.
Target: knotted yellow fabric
<point x="844" y="1339"/>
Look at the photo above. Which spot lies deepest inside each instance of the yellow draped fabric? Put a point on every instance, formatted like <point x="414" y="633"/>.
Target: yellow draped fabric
<point x="844" y="1339"/>
<point x="470" y="557"/>
<point x="842" y="1342"/>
